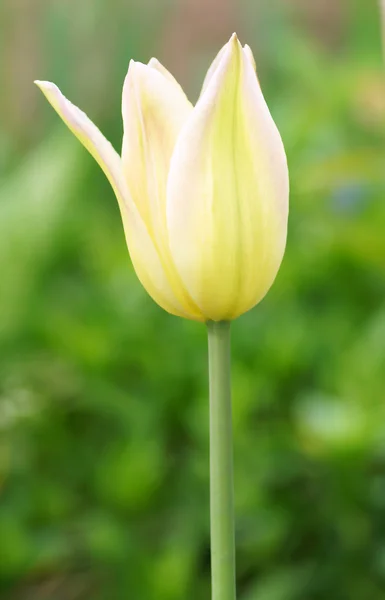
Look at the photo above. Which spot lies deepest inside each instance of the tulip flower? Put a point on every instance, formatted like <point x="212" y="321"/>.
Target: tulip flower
<point x="203" y="193"/>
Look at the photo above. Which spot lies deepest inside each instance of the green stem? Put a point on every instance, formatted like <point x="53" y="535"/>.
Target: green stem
<point x="221" y="464"/>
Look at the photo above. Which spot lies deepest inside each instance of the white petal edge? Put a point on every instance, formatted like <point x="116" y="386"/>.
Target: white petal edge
<point x="212" y="68"/>
<point x="216" y="62"/>
<point x="154" y="63"/>
<point x="144" y="256"/>
<point x="250" y="56"/>
<point x="154" y="109"/>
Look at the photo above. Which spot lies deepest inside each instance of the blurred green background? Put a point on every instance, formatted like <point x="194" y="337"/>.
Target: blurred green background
<point x="103" y="396"/>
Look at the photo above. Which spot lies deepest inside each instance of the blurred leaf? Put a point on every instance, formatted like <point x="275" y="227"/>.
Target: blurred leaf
<point x="32" y="202"/>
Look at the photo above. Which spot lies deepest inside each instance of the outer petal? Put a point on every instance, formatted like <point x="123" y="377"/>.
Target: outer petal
<point x="249" y="54"/>
<point x="217" y="60"/>
<point x="213" y="67"/>
<point x="154" y="110"/>
<point x="143" y="253"/>
<point x="89" y="135"/>
<point x="154" y="63"/>
<point x="228" y="193"/>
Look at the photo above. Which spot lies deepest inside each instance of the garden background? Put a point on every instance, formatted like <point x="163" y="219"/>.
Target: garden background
<point x="103" y="396"/>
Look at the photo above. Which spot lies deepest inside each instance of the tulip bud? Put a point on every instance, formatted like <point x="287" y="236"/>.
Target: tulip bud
<point x="203" y="191"/>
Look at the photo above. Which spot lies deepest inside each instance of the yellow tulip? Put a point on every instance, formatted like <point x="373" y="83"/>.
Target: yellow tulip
<point x="203" y="190"/>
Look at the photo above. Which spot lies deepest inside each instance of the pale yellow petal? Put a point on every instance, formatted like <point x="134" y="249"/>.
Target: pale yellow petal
<point x="213" y="67"/>
<point x="154" y="110"/>
<point x="149" y="267"/>
<point x="228" y="193"/>
<point x="144" y="256"/>
<point x="154" y="63"/>
<point x="89" y="135"/>
<point x="250" y="56"/>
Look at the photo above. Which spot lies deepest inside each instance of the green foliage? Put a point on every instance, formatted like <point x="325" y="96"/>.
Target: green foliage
<point x="103" y="397"/>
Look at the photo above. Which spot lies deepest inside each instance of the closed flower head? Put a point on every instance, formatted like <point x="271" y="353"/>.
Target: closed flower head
<point x="203" y="190"/>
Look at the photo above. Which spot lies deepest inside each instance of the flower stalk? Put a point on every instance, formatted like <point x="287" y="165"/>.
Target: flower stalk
<point x="221" y="463"/>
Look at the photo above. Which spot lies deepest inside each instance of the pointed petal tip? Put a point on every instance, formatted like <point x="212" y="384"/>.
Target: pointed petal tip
<point x="234" y="43"/>
<point x="129" y="70"/>
<point x="137" y="71"/>
<point x="249" y="55"/>
<point x="43" y="84"/>
<point x="47" y="87"/>
<point x="134" y="67"/>
<point x="137" y="66"/>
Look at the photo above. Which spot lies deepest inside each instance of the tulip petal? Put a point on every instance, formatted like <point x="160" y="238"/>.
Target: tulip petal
<point x="88" y="134"/>
<point x="249" y="54"/>
<point x="144" y="256"/>
<point x="154" y="110"/>
<point x="154" y="63"/>
<point x="217" y="60"/>
<point x="227" y="198"/>
<point x="213" y="67"/>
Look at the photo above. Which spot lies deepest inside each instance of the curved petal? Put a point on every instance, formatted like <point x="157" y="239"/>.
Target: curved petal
<point x="144" y="256"/>
<point x="227" y="202"/>
<point x="215" y="64"/>
<point x="249" y="54"/>
<point x="217" y="60"/>
<point x="154" y="63"/>
<point x="89" y="135"/>
<point x="212" y="68"/>
<point x="154" y="111"/>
